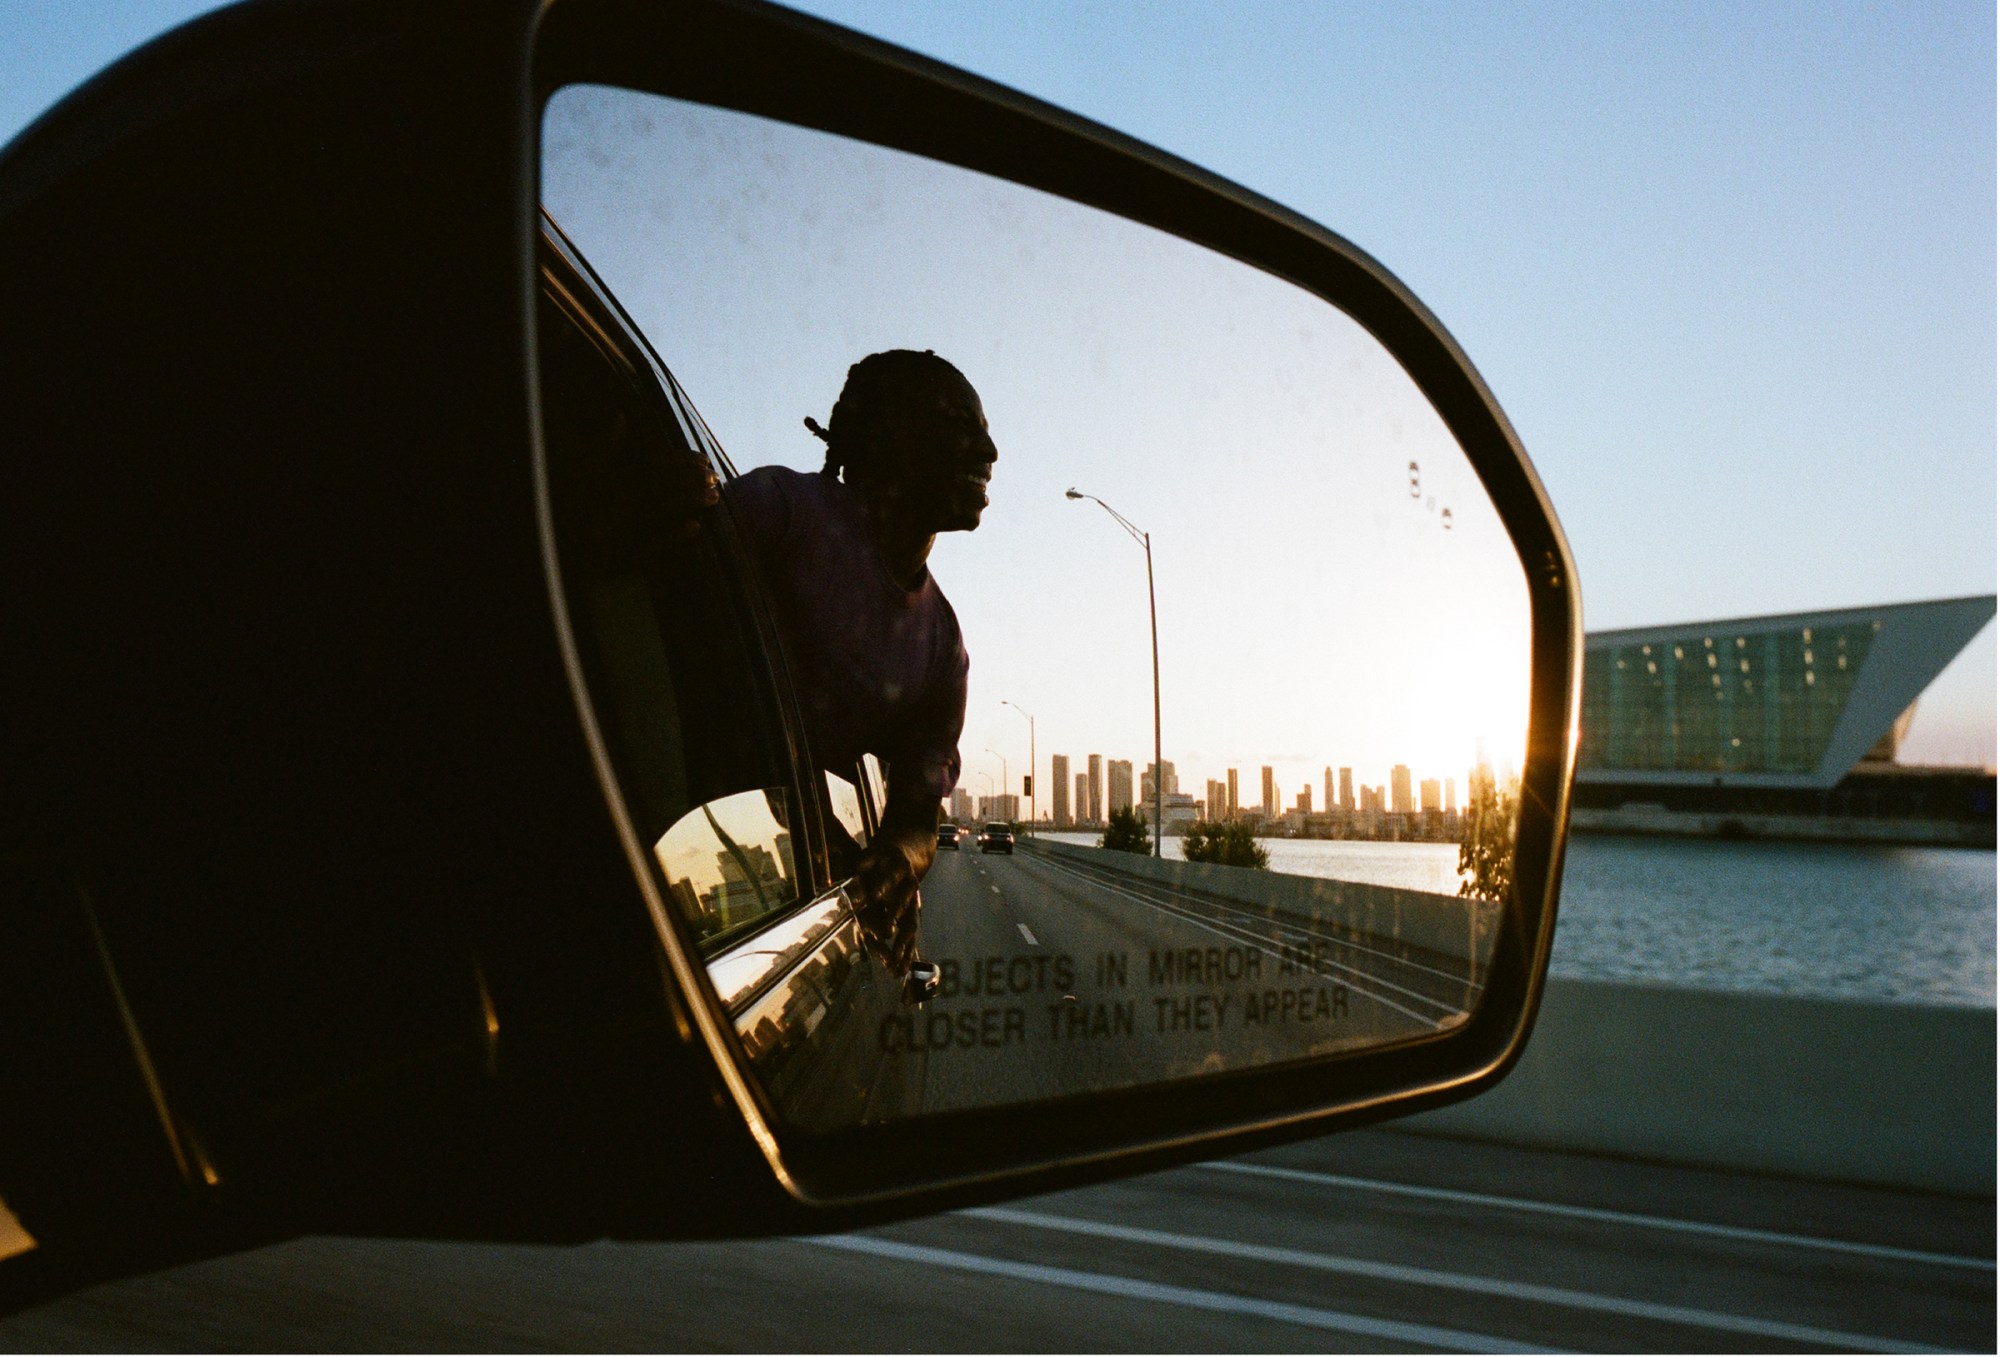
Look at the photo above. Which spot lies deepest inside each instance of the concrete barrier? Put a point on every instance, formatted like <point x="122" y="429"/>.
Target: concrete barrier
<point x="1446" y="924"/>
<point x="1893" y="1095"/>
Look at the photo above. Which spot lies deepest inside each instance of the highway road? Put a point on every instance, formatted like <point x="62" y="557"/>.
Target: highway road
<point x="1060" y="977"/>
<point x="1371" y="1241"/>
<point x="1377" y="1240"/>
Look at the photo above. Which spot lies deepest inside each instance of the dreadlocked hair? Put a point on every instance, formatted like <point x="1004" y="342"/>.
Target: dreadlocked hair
<point x="874" y="400"/>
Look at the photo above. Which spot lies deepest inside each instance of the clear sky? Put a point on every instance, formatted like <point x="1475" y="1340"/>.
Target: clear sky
<point x="1730" y="269"/>
<point x="1336" y="590"/>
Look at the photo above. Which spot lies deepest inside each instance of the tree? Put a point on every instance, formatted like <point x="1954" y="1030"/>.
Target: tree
<point x="1486" y="849"/>
<point x="1227" y="843"/>
<point x="1126" y="832"/>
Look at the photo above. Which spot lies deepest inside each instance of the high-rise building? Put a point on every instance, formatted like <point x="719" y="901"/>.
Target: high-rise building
<point x="1096" y="789"/>
<point x="1173" y="783"/>
<point x="1218" y="800"/>
<point x="1347" y="789"/>
<point x="1082" y="795"/>
<point x="1428" y="795"/>
<point x="1798" y="700"/>
<point x="961" y="805"/>
<point x="1234" y="807"/>
<point x="1270" y="794"/>
<point x="1005" y="806"/>
<point x="1400" y="800"/>
<point x="1450" y="798"/>
<point x="1305" y="802"/>
<point x="1327" y="802"/>
<point x="1118" y="786"/>
<point x="1059" y="780"/>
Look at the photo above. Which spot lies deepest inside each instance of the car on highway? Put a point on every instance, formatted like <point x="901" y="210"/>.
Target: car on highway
<point x="947" y="837"/>
<point x="412" y="824"/>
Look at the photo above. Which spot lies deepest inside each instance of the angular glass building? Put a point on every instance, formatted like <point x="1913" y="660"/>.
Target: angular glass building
<point x="1794" y="700"/>
<point x="1785" y="725"/>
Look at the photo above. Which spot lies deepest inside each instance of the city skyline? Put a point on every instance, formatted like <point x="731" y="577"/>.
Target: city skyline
<point x="1398" y="790"/>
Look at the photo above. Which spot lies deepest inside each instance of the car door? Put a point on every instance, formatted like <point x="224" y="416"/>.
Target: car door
<point x="753" y="844"/>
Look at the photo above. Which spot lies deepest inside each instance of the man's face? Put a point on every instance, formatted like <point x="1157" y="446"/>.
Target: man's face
<point x="945" y="457"/>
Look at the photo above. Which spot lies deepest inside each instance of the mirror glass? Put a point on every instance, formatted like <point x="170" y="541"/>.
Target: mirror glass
<point x="1152" y="494"/>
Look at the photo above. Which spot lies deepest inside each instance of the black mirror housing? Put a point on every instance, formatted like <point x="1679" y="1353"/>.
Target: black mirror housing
<point x="319" y="911"/>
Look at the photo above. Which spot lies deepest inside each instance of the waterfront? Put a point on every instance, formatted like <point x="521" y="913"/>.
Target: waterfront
<point x="1834" y="920"/>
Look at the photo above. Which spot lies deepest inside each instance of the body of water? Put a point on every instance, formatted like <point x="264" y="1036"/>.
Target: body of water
<point x="1840" y="920"/>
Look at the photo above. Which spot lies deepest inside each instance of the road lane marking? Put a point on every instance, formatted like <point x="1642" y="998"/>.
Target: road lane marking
<point x="1131" y="1288"/>
<point x="1601" y="1214"/>
<point x="1456" y="1281"/>
<point x="1252" y="932"/>
<point x="1348" y="940"/>
<point x="1026" y="935"/>
<point x="1261" y="944"/>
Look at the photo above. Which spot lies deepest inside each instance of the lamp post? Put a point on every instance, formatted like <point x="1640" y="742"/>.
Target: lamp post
<point x="1003" y="767"/>
<point x="1031" y="758"/>
<point x="987" y="778"/>
<point x="1144" y="539"/>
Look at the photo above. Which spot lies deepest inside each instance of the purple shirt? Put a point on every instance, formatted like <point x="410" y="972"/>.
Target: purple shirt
<point x="880" y="669"/>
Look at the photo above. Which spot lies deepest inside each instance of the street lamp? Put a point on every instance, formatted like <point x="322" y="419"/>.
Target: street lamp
<point x="1031" y="758"/>
<point x="987" y="778"/>
<point x="1144" y="539"/>
<point x="1003" y="767"/>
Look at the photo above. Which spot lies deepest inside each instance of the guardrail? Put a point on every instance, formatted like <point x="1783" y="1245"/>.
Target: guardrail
<point x="1446" y="924"/>
<point x="1888" y="1094"/>
<point x="1893" y="1095"/>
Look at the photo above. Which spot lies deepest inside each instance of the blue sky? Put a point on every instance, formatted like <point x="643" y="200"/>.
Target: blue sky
<point x="1730" y="269"/>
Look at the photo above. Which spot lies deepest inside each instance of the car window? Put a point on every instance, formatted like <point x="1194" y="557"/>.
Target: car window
<point x="728" y="863"/>
<point x="666" y="631"/>
<point x="844" y="798"/>
<point x="878" y="784"/>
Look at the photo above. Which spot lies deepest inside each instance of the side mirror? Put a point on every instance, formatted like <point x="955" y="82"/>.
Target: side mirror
<point x="441" y="811"/>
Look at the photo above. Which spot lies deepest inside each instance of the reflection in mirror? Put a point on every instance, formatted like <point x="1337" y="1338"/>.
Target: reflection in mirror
<point x="844" y="798"/>
<point x="728" y="864"/>
<point x="1167" y="496"/>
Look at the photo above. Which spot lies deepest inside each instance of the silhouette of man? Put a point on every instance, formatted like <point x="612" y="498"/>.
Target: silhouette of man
<point x="875" y="647"/>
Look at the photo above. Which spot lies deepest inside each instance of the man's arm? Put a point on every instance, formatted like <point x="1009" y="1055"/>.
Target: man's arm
<point x="890" y="869"/>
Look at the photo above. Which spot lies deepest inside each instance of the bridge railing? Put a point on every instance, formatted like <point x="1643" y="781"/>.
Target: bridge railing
<point x="1890" y="1094"/>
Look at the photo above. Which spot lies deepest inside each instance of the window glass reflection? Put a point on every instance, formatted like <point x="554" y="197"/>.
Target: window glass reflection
<point x="1774" y="710"/>
<point x="728" y="863"/>
<point x="845" y="799"/>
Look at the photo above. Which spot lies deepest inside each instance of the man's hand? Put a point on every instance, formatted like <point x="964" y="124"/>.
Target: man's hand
<point x="886" y="878"/>
<point x="886" y="901"/>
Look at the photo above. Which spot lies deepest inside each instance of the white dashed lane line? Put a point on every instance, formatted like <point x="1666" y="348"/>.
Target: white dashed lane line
<point x="1755" y="1326"/>
<point x="1027" y="936"/>
<point x="1132" y="1288"/>
<point x="1600" y="1214"/>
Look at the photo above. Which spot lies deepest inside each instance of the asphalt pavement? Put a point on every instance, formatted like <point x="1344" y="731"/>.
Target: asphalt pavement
<point x="1371" y="1241"/>
<point x="1366" y="1242"/>
<point x="1058" y="979"/>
